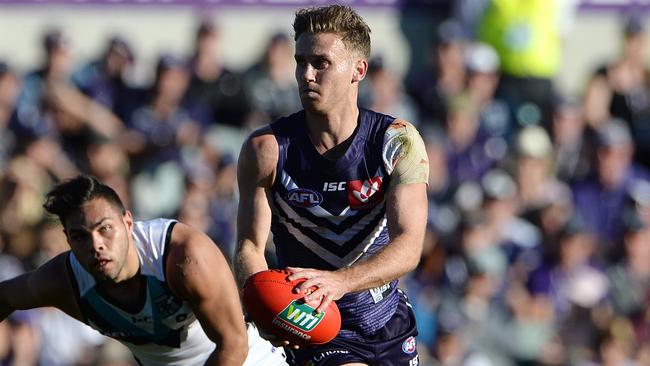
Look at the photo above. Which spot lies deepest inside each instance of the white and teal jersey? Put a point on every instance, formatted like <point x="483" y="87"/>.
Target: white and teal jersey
<point x="164" y="330"/>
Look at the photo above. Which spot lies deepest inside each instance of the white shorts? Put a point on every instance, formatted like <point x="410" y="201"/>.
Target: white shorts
<point x="261" y="352"/>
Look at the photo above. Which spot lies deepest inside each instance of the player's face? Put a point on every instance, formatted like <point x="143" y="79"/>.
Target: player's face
<point x="324" y="71"/>
<point x="99" y="236"/>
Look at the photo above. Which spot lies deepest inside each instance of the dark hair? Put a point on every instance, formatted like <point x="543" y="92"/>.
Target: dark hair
<point x="68" y="197"/>
<point x="339" y="19"/>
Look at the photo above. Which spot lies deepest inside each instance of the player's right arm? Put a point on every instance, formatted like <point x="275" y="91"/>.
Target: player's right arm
<point x="255" y="175"/>
<point x="48" y="285"/>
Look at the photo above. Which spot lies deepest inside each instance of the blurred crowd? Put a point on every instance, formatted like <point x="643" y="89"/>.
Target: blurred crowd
<point x="538" y="243"/>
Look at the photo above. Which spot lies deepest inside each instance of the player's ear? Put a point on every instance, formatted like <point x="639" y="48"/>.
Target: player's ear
<point x="360" y="70"/>
<point x="128" y="220"/>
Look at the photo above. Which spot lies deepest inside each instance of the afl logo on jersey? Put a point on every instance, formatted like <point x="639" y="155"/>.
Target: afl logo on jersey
<point x="303" y="197"/>
<point x="409" y="345"/>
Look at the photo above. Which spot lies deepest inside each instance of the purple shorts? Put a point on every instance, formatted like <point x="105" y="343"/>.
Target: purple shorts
<point x="392" y="345"/>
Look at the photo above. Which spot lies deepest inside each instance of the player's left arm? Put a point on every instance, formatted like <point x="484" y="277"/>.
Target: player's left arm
<point x="406" y="214"/>
<point x="198" y="273"/>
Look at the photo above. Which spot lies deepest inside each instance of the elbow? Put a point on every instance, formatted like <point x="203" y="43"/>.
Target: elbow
<point x="414" y="255"/>
<point x="412" y="262"/>
<point x="236" y="348"/>
<point x="242" y="352"/>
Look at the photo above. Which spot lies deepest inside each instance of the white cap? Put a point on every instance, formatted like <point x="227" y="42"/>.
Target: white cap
<point x="481" y="57"/>
<point x="533" y="141"/>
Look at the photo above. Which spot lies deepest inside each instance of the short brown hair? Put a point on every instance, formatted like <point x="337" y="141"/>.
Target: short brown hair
<point x="339" y="19"/>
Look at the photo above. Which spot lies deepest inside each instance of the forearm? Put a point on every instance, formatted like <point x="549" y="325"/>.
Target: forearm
<point x="227" y="356"/>
<point x="406" y="221"/>
<point x="396" y="259"/>
<point x="249" y="259"/>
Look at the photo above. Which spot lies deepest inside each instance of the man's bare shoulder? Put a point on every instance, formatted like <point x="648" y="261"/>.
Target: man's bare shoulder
<point x="192" y="257"/>
<point x="262" y="141"/>
<point x="259" y="154"/>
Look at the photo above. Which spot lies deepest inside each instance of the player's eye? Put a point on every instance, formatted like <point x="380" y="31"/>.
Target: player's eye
<point x="320" y="64"/>
<point x="105" y="229"/>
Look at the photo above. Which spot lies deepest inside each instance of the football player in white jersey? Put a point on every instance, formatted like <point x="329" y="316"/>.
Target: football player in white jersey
<point x="160" y="287"/>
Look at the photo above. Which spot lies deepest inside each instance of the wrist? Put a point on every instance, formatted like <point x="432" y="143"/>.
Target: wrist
<point x="347" y="279"/>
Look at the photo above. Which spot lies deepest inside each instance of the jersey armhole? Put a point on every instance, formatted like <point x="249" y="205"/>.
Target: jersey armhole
<point x="167" y="244"/>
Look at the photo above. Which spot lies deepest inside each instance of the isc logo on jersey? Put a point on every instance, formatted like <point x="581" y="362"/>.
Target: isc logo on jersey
<point x="301" y="316"/>
<point x="364" y="193"/>
<point x="303" y="197"/>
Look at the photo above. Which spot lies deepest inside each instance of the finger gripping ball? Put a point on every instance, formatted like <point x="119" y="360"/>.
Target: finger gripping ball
<point x="271" y="303"/>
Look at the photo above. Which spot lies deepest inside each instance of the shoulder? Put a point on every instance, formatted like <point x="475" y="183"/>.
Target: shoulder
<point x="404" y="154"/>
<point x="259" y="154"/>
<point x="401" y="125"/>
<point x="401" y="135"/>
<point x="186" y="240"/>
<point x="192" y="257"/>
<point x="185" y="248"/>
<point x="261" y="140"/>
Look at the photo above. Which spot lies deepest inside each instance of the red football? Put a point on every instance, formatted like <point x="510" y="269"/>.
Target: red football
<point x="274" y="307"/>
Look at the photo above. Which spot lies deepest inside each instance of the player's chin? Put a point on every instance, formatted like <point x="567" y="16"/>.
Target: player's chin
<point x="105" y="276"/>
<point x="313" y="106"/>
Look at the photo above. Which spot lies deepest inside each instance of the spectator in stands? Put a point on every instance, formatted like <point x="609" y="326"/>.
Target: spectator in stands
<point x="630" y="278"/>
<point x="518" y="239"/>
<point x="105" y="79"/>
<point x="444" y="77"/>
<point x="270" y="85"/>
<point x="467" y="151"/>
<point x="473" y="319"/>
<point x="482" y="64"/>
<point x="28" y="121"/>
<point x="572" y="145"/>
<point x="444" y="215"/>
<point x="158" y="133"/>
<point x="383" y="92"/>
<point x="9" y="89"/>
<point x="573" y="285"/>
<point x="215" y="93"/>
<point x="107" y="161"/>
<point x="600" y="197"/>
<point x="527" y="35"/>
<point x="615" y="346"/>
<point x="534" y="168"/>
<point x="621" y="89"/>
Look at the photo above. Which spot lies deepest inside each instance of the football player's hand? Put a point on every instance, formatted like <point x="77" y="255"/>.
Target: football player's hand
<point x="320" y="287"/>
<point x="275" y="340"/>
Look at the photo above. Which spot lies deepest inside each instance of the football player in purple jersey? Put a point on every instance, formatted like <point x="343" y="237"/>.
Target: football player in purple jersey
<point x="343" y="190"/>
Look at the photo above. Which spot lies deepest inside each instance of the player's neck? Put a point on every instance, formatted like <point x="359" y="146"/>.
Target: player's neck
<point x="327" y="131"/>
<point x="131" y="267"/>
<point x="129" y="295"/>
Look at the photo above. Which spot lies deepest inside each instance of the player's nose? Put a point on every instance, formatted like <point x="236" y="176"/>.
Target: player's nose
<point x="307" y="73"/>
<point x="98" y="244"/>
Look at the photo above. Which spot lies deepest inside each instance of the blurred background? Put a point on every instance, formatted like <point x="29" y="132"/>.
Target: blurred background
<point x="535" y="113"/>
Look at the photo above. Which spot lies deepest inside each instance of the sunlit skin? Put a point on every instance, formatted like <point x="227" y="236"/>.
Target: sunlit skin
<point x="328" y="76"/>
<point x="101" y="239"/>
<point x="323" y="71"/>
